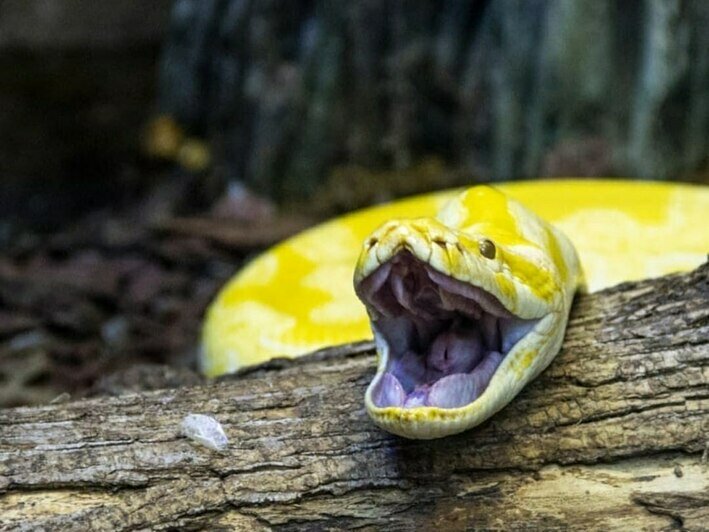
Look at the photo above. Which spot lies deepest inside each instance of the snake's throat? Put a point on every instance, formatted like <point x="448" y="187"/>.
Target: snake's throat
<point x="445" y="338"/>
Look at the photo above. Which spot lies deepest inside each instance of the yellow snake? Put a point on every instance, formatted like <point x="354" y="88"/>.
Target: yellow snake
<point x="466" y="306"/>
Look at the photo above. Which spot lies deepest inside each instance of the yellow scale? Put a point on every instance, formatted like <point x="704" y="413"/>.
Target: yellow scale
<point x="298" y="296"/>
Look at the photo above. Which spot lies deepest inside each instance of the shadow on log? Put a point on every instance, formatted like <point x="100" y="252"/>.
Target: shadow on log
<point x="611" y="436"/>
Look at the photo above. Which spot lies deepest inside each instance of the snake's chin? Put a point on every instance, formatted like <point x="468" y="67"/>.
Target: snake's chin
<point x="444" y="338"/>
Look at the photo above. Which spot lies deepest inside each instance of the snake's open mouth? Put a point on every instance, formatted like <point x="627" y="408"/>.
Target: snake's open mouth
<point x="445" y="338"/>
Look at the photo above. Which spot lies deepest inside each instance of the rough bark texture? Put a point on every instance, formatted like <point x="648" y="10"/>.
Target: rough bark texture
<point x="287" y="91"/>
<point x="611" y="436"/>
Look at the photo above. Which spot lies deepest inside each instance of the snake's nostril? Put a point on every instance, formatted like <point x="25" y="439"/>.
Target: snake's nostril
<point x="372" y="242"/>
<point x="440" y="242"/>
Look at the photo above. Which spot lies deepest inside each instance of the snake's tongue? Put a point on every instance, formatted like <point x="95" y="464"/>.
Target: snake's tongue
<point x="452" y="391"/>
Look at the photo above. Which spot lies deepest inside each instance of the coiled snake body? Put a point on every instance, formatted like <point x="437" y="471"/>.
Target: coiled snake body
<point x="466" y="306"/>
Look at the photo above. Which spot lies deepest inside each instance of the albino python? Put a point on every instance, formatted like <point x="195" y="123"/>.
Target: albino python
<point x="466" y="306"/>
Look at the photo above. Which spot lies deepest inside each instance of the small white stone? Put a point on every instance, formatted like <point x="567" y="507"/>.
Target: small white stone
<point x="205" y="430"/>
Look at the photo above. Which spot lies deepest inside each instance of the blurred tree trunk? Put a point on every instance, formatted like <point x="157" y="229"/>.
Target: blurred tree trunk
<point x="499" y="90"/>
<point x="77" y="84"/>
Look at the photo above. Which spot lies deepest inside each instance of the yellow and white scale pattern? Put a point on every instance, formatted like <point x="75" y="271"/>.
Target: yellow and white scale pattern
<point x="298" y="296"/>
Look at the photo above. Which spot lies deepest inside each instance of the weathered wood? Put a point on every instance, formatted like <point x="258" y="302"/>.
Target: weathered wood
<point x="611" y="436"/>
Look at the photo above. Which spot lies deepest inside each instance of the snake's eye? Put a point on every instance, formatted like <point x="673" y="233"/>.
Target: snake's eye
<point x="487" y="248"/>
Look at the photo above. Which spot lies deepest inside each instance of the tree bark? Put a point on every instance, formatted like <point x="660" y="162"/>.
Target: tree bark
<point x="612" y="436"/>
<point x="291" y="95"/>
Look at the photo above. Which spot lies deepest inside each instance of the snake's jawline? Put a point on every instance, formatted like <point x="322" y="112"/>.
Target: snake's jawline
<point x="533" y="274"/>
<point x="518" y="368"/>
<point x="444" y="339"/>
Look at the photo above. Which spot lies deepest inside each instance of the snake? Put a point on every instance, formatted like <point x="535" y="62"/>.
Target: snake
<point x="466" y="293"/>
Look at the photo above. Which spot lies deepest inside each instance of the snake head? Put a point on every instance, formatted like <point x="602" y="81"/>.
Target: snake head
<point x="466" y="308"/>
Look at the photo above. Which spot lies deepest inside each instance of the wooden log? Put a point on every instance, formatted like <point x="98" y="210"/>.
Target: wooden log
<point x="612" y="436"/>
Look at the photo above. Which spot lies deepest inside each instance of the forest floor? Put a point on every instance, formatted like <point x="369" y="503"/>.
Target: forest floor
<point x="114" y="301"/>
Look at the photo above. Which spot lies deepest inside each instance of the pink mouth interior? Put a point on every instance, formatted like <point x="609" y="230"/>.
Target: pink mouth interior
<point x="446" y="338"/>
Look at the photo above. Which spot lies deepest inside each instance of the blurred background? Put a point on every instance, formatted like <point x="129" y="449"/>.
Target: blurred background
<point x="148" y="148"/>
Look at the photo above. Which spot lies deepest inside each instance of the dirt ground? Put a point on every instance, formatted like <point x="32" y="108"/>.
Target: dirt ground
<point x="114" y="301"/>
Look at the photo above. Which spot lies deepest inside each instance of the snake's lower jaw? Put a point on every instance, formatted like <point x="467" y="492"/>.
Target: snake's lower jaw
<point x="450" y="354"/>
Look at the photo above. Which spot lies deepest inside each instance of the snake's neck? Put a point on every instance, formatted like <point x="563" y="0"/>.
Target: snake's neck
<point x="442" y="339"/>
